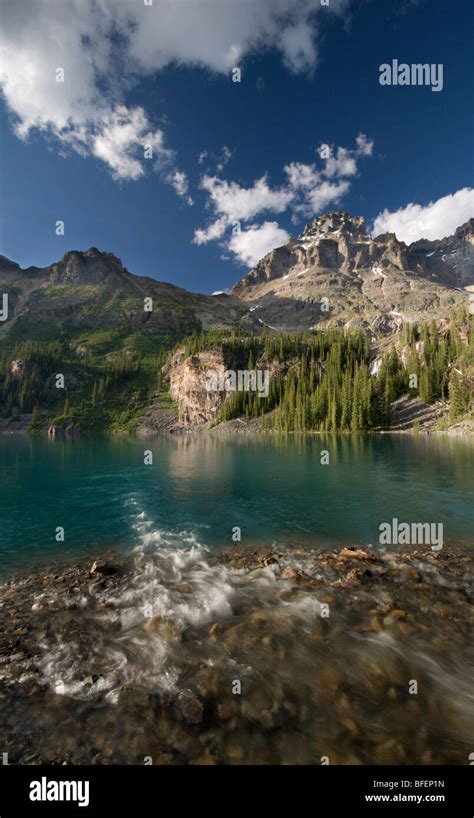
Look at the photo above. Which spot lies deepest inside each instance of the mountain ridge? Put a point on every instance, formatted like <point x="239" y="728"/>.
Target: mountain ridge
<point x="333" y="274"/>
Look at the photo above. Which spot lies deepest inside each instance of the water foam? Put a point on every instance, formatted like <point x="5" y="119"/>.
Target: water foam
<point x="136" y="634"/>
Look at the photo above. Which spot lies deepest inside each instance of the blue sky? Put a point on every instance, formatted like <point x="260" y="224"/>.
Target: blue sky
<point x="162" y="76"/>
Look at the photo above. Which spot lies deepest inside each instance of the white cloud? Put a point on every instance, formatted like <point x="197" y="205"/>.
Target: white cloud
<point x="214" y="231"/>
<point x="235" y="202"/>
<point x="217" y="35"/>
<point x="249" y="246"/>
<point x="297" y="44"/>
<point x="218" y="160"/>
<point x="315" y="189"/>
<point x="232" y="204"/>
<point x="309" y="190"/>
<point x="433" y="221"/>
<point x="225" y="157"/>
<point x="301" y="176"/>
<point x="179" y="181"/>
<point x="342" y="163"/>
<point x="321" y="196"/>
<point x="121" y="137"/>
<point x="105" y="45"/>
<point x="86" y="110"/>
<point x="364" y="145"/>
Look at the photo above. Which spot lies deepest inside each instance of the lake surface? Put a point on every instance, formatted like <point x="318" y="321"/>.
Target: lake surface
<point x="199" y="487"/>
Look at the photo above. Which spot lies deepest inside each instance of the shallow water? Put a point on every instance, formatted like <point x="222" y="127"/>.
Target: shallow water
<point x="146" y="663"/>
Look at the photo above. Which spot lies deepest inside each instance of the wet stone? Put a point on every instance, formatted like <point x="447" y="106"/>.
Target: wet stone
<point x="103" y="567"/>
<point x="188" y="708"/>
<point x="309" y="686"/>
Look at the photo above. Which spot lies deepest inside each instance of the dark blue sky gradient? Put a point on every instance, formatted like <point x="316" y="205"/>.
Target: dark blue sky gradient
<point x="423" y="144"/>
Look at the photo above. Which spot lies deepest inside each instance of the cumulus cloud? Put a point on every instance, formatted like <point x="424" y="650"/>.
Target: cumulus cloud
<point x="432" y="221"/>
<point x="103" y="46"/>
<point x="321" y="196"/>
<point x="342" y="163"/>
<point x="217" y="160"/>
<point x="211" y="233"/>
<point x="232" y="204"/>
<point x="315" y="189"/>
<point x="308" y="191"/>
<point x="297" y="45"/>
<point x="235" y="202"/>
<point x="225" y="157"/>
<point x="58" y="75"/>
<point x="121" y="136"/>
<point x="217" y="35"/>
<point x="249" y="246"/>
<point x="311" y="191"/>
<point x="301" y="176"/>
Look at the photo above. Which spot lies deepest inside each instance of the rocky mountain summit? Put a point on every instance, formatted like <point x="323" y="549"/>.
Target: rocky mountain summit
<point x="90" y="290"/>
<point x="336" y="274"/>
<point x="333" y="274"/>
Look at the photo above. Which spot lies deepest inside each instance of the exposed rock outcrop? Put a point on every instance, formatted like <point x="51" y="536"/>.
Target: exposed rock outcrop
<point x="198" y="406"/>
<point x="336" y="274"/>
<point x="187" y="377"/>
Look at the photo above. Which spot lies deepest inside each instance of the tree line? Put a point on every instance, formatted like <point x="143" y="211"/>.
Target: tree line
<point x="330" y="380"/>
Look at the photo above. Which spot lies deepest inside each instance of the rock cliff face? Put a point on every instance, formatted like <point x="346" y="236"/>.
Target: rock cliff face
<point x="336" y="274"/>
<point x="197" y="406"/>
<point x="455" y="253"/>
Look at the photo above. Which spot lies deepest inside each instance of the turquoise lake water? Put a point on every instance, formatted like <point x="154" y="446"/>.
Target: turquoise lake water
<point x="201" y="486"/>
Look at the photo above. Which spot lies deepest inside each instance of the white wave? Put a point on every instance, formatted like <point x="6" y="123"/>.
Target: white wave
<point x="136" y="631"/>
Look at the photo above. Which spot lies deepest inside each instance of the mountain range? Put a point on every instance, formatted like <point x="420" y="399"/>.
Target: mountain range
<point x="134" y="351"/>
<point x="334" y="274"/>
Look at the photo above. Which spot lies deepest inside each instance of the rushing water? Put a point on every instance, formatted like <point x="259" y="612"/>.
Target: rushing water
<point x="324" y="642"/>
<point x="199" y="488"/>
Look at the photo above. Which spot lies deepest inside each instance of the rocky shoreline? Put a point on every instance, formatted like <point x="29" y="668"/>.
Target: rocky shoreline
<point x="163" y="421"/>
<point x="246" y="655"/>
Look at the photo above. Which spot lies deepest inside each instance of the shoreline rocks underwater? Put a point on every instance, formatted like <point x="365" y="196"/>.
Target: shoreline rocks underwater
<point x="281" y="655"/>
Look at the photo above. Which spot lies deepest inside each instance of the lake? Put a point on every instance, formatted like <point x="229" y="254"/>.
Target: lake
<point x="199" y="488"/>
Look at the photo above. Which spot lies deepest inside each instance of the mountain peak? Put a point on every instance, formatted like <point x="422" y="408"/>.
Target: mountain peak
<point x="377" y="283"/>
<point x="465" y="230"/>
<point x="6" y="264"/>
<point x="90" y="266"/>
<point x="333" y="225"/>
